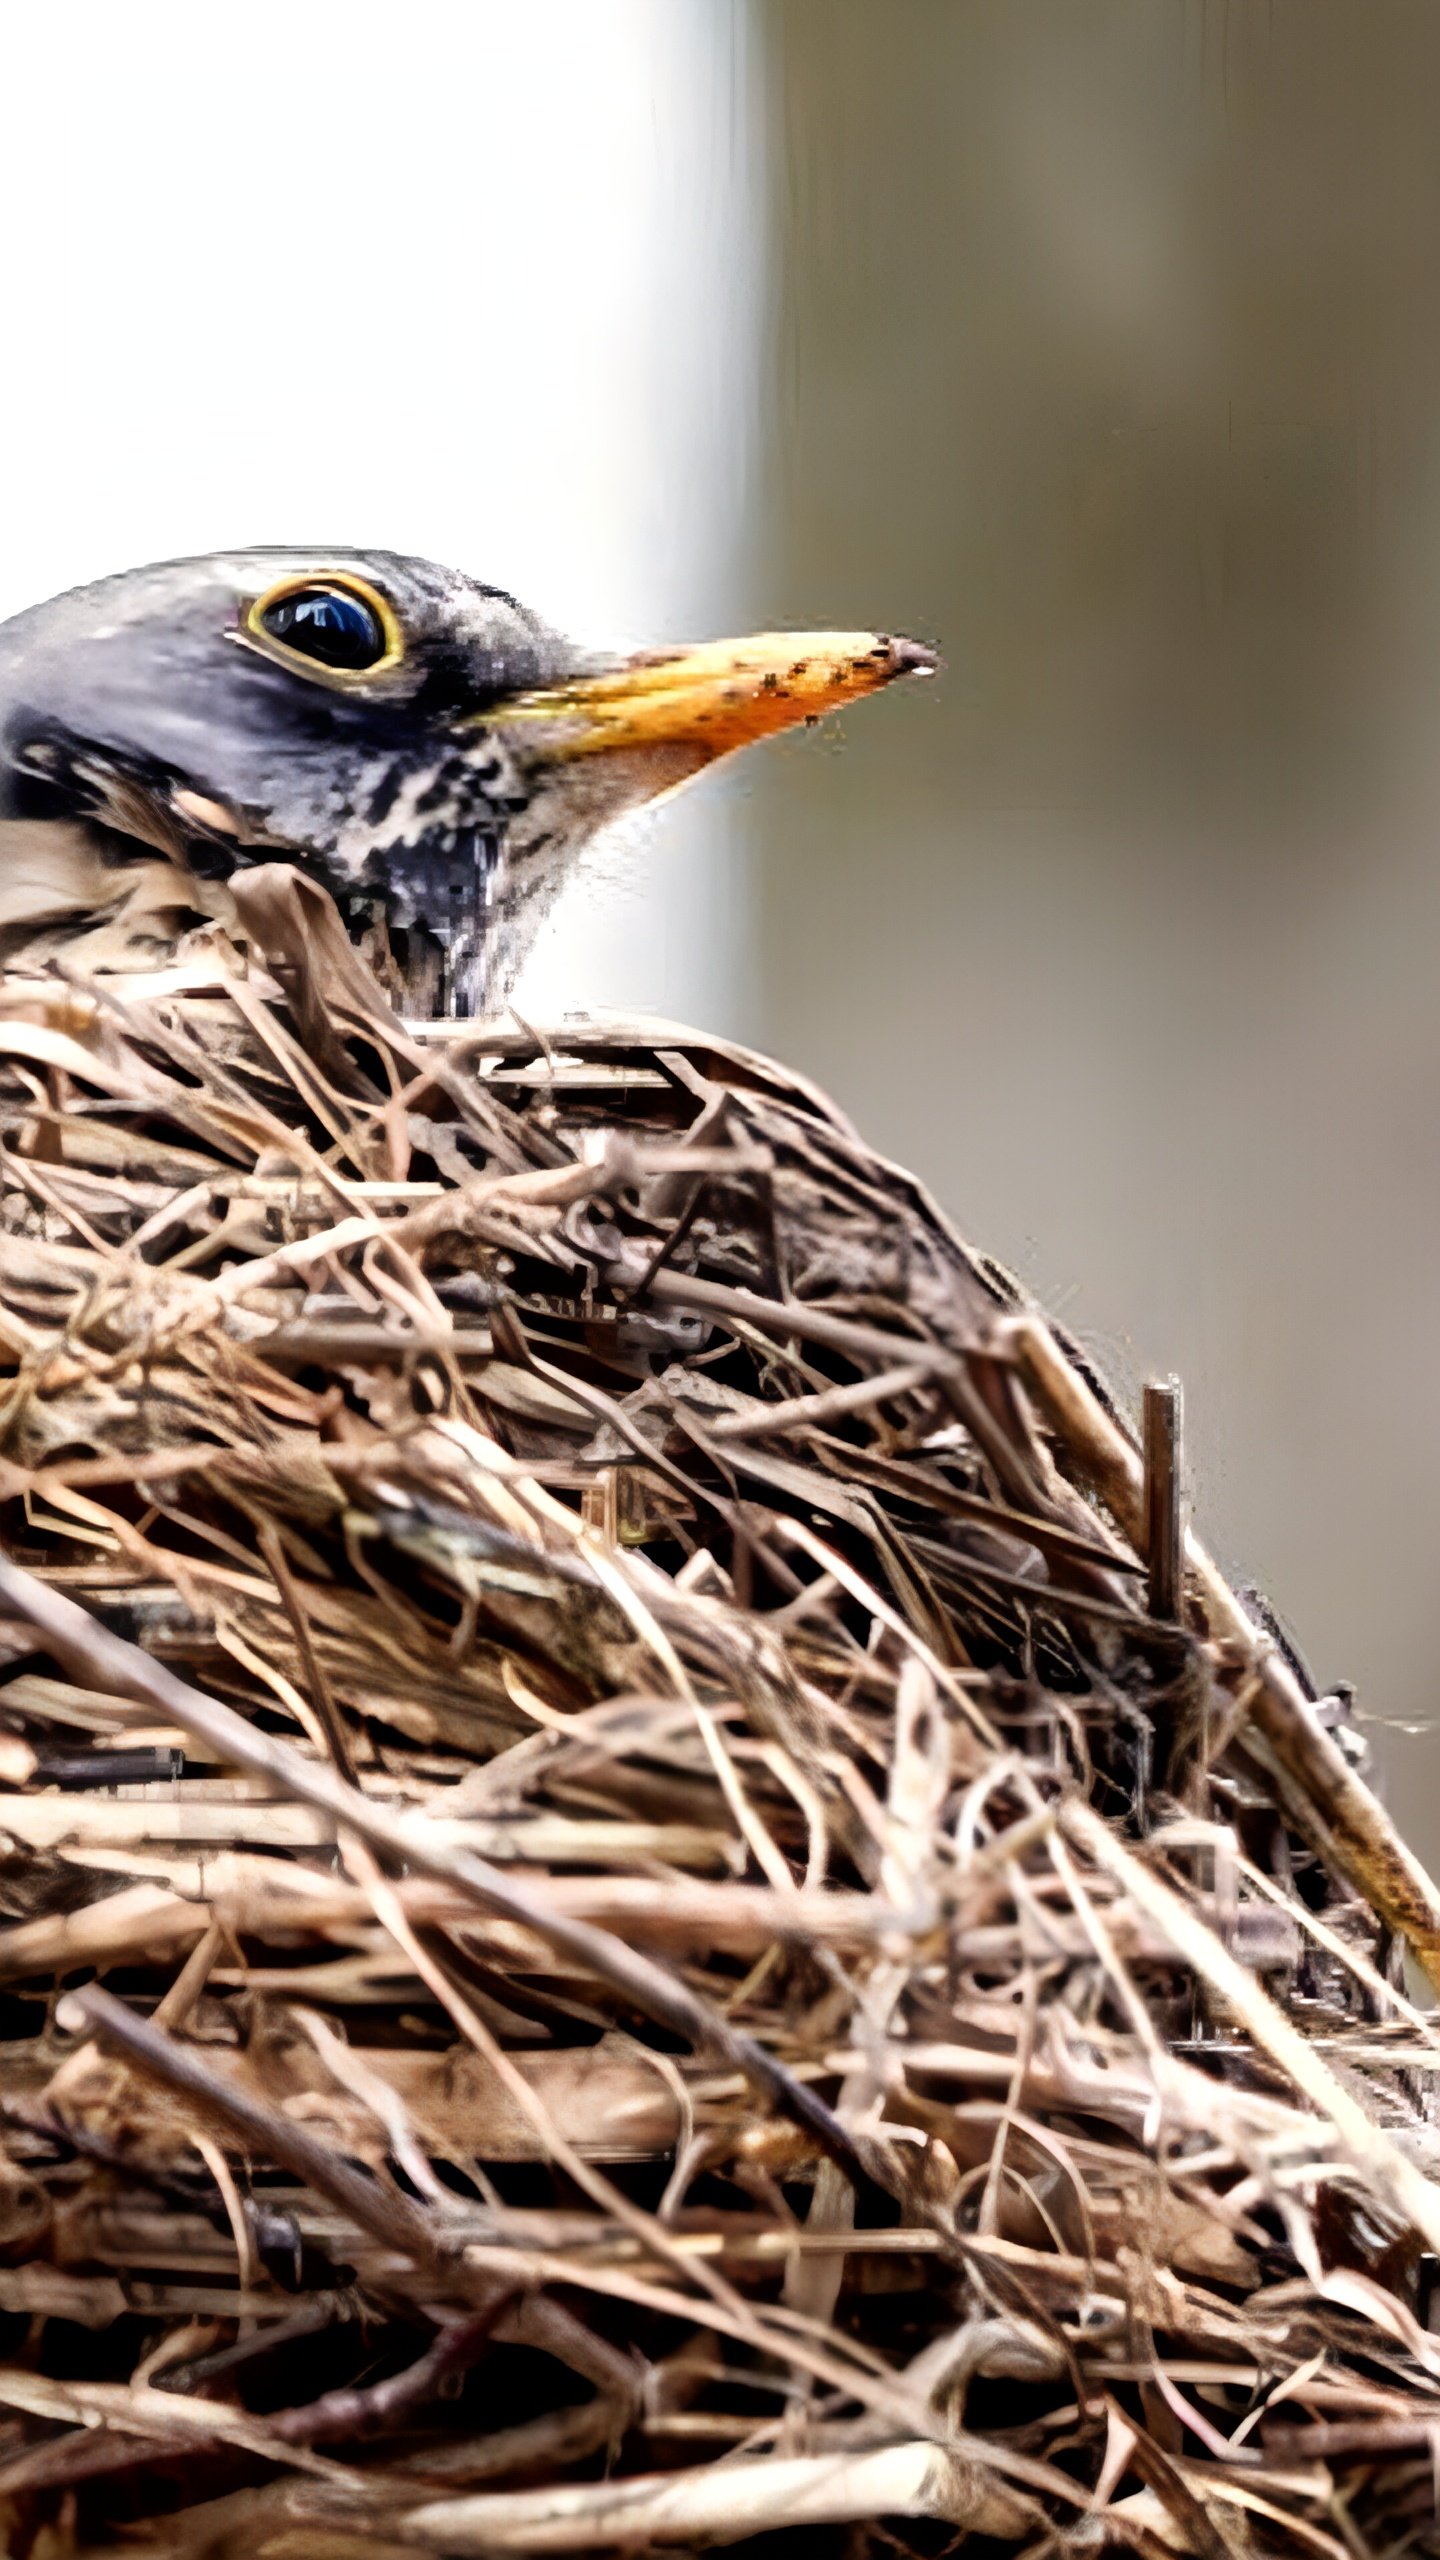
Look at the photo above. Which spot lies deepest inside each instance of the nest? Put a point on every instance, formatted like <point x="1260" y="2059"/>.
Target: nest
<point x="637" y="1917"/>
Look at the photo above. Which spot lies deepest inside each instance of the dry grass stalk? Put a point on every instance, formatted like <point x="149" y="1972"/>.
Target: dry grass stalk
<point x="710" y="1973"/>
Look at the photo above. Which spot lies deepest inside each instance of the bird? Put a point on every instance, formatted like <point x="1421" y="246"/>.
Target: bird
<point x="427" y="749"/>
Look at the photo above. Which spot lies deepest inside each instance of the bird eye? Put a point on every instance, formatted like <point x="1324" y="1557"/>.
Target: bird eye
<point x="335" y="627"/>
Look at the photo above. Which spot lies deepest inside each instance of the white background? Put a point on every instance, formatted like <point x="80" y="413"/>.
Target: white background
<point x="468" y="279"/>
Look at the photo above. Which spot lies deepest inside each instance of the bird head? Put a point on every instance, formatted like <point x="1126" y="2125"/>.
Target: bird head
<point x="430" y="751"/>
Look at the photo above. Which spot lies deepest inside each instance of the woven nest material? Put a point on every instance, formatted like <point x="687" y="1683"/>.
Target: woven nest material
<point x="623" y="1931"/>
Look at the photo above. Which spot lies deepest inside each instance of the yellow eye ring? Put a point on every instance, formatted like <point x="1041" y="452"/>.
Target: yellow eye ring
<point x="334" y="587"/>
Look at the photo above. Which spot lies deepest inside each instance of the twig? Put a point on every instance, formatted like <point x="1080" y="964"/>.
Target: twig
<point x="381" y="2211"/>
<point x="730" y="2502"/>
<point x="108" y="1662"/>
<point x="322" y="1697"/>
<point x="1328" y="1800"/>
<point x="1373" y="2438"/>
<point x="1164" y="1508"/>
<point x="1365" y="2142"/>
<point x="367" y="2410"/>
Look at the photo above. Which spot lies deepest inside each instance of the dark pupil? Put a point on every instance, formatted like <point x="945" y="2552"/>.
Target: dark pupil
<point x="324" y="623"/>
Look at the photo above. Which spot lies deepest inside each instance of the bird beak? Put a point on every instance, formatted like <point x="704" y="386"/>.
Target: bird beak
<point x="704" y="702"/>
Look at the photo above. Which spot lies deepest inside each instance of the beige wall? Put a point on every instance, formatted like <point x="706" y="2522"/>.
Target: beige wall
<point x="1103" y="349"/>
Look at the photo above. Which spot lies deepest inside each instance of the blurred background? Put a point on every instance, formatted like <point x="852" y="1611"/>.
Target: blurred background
<point x="1096" y="344"/>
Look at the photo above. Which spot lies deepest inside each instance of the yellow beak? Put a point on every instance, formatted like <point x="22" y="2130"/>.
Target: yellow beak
<point x="722" y="695"/>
